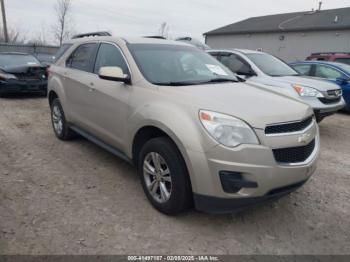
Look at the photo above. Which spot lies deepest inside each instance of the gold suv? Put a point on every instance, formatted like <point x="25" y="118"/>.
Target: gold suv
<point x="197" y="134"/>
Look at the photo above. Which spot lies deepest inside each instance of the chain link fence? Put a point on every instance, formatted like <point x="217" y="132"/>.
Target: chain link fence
<point x="29" y="48"/>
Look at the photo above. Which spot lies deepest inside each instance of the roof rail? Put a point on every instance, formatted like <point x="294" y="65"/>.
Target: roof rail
<point x="155" y="36"/>
<point x="102" y="33"/>
<point x="186" y="38"/>
<point x="330" y="53"/>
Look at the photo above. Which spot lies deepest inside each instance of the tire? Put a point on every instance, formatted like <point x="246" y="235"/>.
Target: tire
<point x="179" y="186"/>
<point x="59" y="123"/>
<point x="44" y="93"/>
<point x="318" y="117"/>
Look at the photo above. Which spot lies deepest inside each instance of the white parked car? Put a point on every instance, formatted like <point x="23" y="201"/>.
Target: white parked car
<point x="324" y="97"/>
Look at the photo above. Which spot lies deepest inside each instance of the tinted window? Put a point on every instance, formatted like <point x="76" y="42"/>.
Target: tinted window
<point x="60" y="52"/>
<point x="12" y="60"/>
<point x="343" y="60"/>
<point x="303" y="69"/>
<point x="83" y="57"/>
<point x="271" y="65"/>
<point x="164" y="64"/>
<point x="234" y="63"/>
<point x="109" y="55"/>
<point x="327" y="72"/>
<point x="215" y="55"/>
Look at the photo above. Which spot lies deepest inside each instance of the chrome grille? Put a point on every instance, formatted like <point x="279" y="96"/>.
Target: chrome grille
<point x="288" y="127"/>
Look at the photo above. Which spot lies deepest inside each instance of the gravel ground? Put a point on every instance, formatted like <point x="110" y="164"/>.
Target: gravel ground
<point x="75" y="198"/>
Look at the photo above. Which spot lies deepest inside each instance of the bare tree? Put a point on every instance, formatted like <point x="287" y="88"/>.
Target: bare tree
<point x="15" y="36"/>
<point x="41" y="37"/>
<point x="63" y="27"/>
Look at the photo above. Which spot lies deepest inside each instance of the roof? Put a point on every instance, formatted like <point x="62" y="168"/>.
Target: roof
<point x="335" y="64"/>
<point x="132" y="40"/>
<point x="243" y="51"/>
<point x="332" y="19"/>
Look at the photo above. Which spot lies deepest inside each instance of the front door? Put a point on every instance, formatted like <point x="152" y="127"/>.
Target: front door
<point x="108" y="102"/>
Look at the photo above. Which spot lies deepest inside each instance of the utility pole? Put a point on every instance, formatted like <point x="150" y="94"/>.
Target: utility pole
<point x="4" y="21"/>
<point x="319" y="6"/>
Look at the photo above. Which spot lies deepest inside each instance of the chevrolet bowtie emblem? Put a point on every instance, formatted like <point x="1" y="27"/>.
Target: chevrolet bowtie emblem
<point x="304" y="138"/>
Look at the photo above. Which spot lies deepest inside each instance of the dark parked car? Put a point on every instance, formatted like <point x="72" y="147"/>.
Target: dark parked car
<point x="22" y="73"/>
<point x="45" y="59"/>
<point x="335" y="72"/>
<point x="340" y="57"/>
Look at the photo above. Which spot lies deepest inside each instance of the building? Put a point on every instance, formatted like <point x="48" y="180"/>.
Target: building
<point x="291" y="36"/>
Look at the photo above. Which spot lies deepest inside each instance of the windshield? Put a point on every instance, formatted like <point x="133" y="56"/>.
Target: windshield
<point x="13" y="60"/>
<point x="343" y="60"/>
<point x="271" y="65"/>
<point x="345" y="67"/>
<point x="163" y="64"/>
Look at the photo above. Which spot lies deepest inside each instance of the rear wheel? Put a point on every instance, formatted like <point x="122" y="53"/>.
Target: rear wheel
<point x="59" y="123"/>
<point x="164" y="176"/>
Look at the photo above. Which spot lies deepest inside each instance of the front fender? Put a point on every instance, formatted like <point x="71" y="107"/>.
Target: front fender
<point x="180" y="123"/>
<point x="55" y="84"/>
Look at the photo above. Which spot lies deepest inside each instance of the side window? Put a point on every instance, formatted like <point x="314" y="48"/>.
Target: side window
<point x="327" y="72"/>
<point x="109" y="55"/>
<point x="303" y="69"/>
<point x="234" y="63"/>
<point x="60" y="52"/>
<point x="215" y="55"/>
<point x="343" y="60"/>
<point x="82" y="58"/>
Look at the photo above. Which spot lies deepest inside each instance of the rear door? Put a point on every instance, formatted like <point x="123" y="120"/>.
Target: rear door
<point x="108" y="102"/>
<point x="79" y="80"/>
<point x="304" y="69"/>
<point x="328" y="72"/>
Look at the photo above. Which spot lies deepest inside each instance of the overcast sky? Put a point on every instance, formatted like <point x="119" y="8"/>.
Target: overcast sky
<point x="144" y="17"/>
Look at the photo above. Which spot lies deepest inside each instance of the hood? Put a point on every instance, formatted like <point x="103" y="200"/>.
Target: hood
<point x="321" y="85"/>
<point x="249" y="102"/>
<point x="22" y="69"/>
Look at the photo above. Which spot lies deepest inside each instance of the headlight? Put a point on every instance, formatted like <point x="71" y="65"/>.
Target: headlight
<point x="307" y="91"/>
<point x="227" y="130"/>
<point x="5" y="76"/>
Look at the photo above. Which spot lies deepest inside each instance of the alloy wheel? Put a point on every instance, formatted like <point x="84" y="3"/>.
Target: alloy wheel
<point x="157" y="177"/>
<point x="57" y="119"/>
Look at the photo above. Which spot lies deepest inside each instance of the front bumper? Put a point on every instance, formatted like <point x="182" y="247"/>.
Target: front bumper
<point x="322" y="109"/>
<point x="223" y="205"/>
<point x="255" y="163"/>
<point x="17" y="86"/>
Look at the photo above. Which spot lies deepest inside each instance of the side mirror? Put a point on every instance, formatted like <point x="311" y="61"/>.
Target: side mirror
<point x="114" y="73"/>
<point x="342" y="80"/>
<point x="247" y="73"/>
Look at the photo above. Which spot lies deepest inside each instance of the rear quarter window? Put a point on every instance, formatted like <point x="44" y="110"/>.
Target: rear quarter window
<point x="83" y="57"/>
<point x="61" y="51"/>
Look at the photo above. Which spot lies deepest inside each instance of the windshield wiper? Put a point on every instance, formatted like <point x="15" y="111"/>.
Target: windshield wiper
<point x="220" y="80"/>
<point x="184" y="83"/>
<point x="189" y="83"/>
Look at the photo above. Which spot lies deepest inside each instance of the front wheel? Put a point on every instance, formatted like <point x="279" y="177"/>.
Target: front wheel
<point x="164" y="176"/>
<point x="59" y="123"/>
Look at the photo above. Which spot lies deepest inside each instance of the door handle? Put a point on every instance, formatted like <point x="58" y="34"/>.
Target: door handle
<point x="92" y="88"/>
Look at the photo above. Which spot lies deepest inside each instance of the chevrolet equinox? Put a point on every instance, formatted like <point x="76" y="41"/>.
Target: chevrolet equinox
<point x="196" y="133"/>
